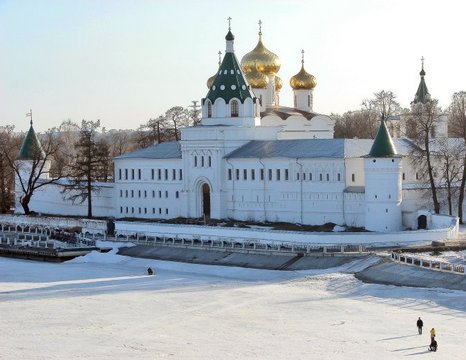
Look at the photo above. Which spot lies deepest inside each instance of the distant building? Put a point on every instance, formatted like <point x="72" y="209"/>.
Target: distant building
<point x="253" y="159"/>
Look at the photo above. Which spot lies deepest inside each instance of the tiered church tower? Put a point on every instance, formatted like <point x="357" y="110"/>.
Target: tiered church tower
<point x="230" y="100"/>
<point x="382" y="172"/>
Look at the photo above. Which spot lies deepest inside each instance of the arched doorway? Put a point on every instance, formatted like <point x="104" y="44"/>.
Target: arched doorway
<point x="422" y="222"/>
<point x="205" y="200"/>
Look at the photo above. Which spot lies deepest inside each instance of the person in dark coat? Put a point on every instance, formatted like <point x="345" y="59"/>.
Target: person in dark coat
<point x="432" y="334"/>
<point x="433" y="345"/>
<point x="150" y="271"/>
<point x="419" y="324"/>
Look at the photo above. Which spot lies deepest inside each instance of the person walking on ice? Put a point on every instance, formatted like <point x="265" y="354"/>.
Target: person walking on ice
<point x="419" y="324"/>
<point x="432" y="334"/>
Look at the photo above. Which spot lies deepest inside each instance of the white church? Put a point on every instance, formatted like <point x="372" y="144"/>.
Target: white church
<point x="253" y="159"/>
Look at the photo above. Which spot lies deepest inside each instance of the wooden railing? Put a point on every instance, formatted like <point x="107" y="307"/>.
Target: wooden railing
<point x="427" y="264"/>
<point x="226" y="243"/>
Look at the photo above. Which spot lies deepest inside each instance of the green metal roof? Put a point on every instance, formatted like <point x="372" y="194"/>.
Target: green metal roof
<point x="230" y="82"/>
<point x="422" y="94"/>
<point x="383" y="145"/>
<point x="31" y="148"/>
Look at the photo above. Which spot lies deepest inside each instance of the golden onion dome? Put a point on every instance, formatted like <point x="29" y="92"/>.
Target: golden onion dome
<point x="256" y="79"/>
<point x="278" y="83"/>
<point x="303" y="80"/>
<point x="266" y="61"/>
<point x="211" y="80"/>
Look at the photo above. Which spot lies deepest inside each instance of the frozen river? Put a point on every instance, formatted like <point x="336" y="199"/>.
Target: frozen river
<point x="102" y="306"/>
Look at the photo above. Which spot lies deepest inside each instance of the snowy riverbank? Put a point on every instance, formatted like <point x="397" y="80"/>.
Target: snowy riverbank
<point x="102" y="306"/>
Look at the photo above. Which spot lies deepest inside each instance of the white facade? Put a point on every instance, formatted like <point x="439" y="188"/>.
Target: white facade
<point x="269" y="164"/>
<point x="383" y="197"/>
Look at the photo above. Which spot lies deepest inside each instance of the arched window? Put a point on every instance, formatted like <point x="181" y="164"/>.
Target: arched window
<point x="209" y="109"/>
<point x="234" y="108"/>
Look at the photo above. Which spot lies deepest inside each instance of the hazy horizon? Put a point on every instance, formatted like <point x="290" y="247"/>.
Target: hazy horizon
<point x="124" y="62"/>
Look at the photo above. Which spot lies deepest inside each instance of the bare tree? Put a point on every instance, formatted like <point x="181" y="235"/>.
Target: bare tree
<point x="6" y="171"/>
<point x="66" y="133"/>
<point x="120" y="142"/>
<point x="355" y="124"/>
<point x="364" y="123"/>
<point x="32" y="169"/>
<point x="450" y="154"/>
<point x="178" y="116"/>
<point x="85" y="170"/>
<point x="165" y="127"/>
<point x="421" y="123"/>
<point x="457" y="128"/>
<point x="383" y="104"/>
<point x="152" y="132"/>
<point x="104" y="168"/>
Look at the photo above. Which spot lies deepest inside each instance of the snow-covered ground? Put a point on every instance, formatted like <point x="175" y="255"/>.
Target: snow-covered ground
<point x="103" y="306"/>
<point x="452" y="257"/>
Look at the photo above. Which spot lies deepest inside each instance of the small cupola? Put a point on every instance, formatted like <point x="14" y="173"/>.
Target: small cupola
<point x="303" y="85"/>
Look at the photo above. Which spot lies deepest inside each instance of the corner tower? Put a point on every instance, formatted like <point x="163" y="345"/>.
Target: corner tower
<point x="230" y="100"/>
<point x="382" y="174"/>
<point x="31" y="161"/>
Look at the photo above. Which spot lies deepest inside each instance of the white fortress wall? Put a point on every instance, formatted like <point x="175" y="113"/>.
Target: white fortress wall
<point x="50" y="200"/>
<point x="307" y="191"/>
<point x="149" y="188"/>
<point x="241" y="234"/>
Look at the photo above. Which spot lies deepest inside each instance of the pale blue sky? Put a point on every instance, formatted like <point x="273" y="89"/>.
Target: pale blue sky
<point x="126" y="61"/>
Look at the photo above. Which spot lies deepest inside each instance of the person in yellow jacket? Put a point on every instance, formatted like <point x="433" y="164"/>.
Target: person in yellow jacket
<point x="432" y="334"/>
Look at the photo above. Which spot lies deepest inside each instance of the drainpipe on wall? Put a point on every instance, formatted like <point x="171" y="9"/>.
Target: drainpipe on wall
<point x="344" y="193"/>
<point x="265" y="211"/>
<point x="301" y="187"/>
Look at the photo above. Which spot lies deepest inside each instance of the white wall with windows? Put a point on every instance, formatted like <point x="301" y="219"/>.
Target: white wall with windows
<point x="148" y="188"/>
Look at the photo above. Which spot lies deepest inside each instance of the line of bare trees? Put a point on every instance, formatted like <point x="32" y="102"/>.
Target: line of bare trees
<point x="78" y="155"/>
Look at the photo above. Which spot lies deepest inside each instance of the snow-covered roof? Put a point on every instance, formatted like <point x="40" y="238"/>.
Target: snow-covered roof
<point x="309" y="148"/>
<point x="165" y="150"/>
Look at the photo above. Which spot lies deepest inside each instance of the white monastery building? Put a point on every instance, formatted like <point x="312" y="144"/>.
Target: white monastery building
<point x="253" y="159"/>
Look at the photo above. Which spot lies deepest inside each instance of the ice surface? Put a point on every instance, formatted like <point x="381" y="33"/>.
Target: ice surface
<point x="103" y="306"/>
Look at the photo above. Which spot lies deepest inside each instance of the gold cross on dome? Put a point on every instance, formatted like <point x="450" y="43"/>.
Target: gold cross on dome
<point x="302" y="56"/>
<point x="260" y="27"/>
<point x="229" y="23"/>
<point x="422" y="61"/>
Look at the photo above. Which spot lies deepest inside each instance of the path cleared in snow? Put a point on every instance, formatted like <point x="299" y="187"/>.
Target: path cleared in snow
<point x="103" y="306"/>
